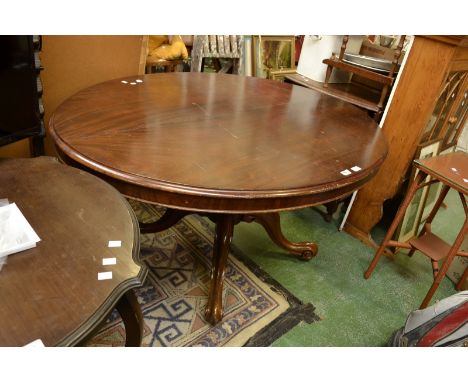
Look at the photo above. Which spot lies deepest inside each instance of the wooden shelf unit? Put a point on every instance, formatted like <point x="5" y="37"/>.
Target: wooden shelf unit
<point x="429" y="65"/>
<point x="384" y="80"/>
<point x="353" y="93"/>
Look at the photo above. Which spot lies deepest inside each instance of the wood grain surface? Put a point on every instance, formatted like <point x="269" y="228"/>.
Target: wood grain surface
<point x="451" y="169"/>
<point x="220" y="143"/>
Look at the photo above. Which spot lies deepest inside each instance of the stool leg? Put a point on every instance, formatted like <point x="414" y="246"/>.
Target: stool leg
<point x="427" y="224"/>
<point x="435" y="268"/>
<point x="462" y="279"/>
<point x="401" y="212"/>
<point x="438" y="203"/>
<point x="440" y="275"/>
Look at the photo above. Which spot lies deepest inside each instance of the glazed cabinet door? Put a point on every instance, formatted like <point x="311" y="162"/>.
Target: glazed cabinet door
<point x="449" y="114"/>
<point x="457" y="121"/>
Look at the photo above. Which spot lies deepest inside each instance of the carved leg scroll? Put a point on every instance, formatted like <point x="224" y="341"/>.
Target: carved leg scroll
<point x="222" y="241"/>
<point x="271" y="223"/>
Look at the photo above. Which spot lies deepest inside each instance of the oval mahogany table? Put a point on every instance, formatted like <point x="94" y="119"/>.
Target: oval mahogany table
<point x="52" y="292"/>
<point x="231" y="147"/>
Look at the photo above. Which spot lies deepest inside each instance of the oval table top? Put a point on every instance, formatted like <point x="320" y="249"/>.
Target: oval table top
<point x="52" y="292"/>
<point x="217" y="136"/>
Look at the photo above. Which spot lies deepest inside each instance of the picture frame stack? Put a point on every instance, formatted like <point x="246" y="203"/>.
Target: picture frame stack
<point x="271" y="54"/>
<point x="423" y="200"/>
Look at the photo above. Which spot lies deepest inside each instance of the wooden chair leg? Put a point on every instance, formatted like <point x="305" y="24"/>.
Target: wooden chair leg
<point x="237" y="66"/>
<point x="196" y="62"/>
<point x="328" y="75"/>
<point x="378" y="115"/>
<point x="344" y="43"/>
<point x="383" y="95"/>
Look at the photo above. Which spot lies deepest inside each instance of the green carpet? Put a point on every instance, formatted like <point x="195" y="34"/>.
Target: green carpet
<point x="353" y="311"/>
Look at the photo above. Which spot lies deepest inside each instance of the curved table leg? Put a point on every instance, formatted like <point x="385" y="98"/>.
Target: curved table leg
<point x="166" y="221"/>
<point x="222" y="241"/>
<point x="130" y="311"/>
<point x="271" y="223"/>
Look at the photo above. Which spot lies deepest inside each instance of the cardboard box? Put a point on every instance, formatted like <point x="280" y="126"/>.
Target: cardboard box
<point x="375" y="50"/>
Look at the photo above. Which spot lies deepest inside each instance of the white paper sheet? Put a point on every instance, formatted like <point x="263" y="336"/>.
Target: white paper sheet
<point x="35" y="344"/>
<point x="16" y="234"/>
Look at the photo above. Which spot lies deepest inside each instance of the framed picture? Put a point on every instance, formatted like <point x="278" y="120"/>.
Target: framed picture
<point x="278" y="74"/>
<point x="272" y="53"/>
<point x="433" y="192"/>
<point x="409" y="225"/>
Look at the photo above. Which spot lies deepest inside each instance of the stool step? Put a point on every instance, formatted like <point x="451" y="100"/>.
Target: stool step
<point x="431" y="245"/>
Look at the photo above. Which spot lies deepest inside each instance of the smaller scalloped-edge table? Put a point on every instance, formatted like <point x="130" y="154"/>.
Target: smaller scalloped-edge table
<point x="52" y="292"/>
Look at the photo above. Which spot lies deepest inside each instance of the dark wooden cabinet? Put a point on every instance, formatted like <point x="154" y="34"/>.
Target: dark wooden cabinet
<point x="428" y="104"/>
<point x="21" y="108"/>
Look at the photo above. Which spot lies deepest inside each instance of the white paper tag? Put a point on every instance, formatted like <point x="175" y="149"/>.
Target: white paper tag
<point x="115" y="243"/>
<point x="104" y="275"/>
<point x="109" y="261"/>
<point x="345" y="172"/>
<point x="465" y="180"/>
<point x="356" y="168"/>
<point x="35" y="344"/>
